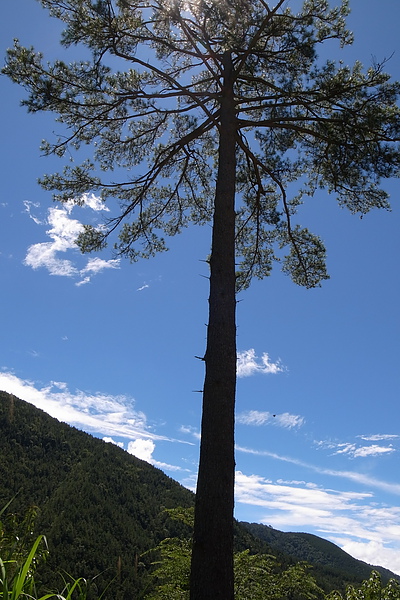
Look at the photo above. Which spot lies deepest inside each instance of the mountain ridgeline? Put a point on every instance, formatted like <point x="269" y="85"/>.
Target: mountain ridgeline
<point x="102" y="509"/>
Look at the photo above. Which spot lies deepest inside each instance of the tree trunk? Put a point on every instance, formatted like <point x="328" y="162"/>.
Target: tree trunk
<point x="212" y="556"/>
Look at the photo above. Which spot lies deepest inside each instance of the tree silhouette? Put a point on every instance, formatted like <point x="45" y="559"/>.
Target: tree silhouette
<point x="197" y="111"/>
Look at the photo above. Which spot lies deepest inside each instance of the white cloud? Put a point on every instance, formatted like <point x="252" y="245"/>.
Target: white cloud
<point x="254" y="489"/>
<point x="143" y="287"/>
<point x="190" y="431"/>
<point x="359" y="478"/>
<point x="110" y="440"/>
<point x="372" y="552"/>
<point x="190" y="482"/>
<point x="256" y="417"/>
<point x="143" y="449"/>
<point x="289" y="421"/>
<point x="93" y="202"/>
<point x="356" y="451"/>
<point x="28" y="209"/>
<point x="379" y="437"/>
<point x="95" y="265"/>
<point x="353" y="520"/>
<point x="373" y="450"/>
<point x="63" y="233"/>
<point x="100" y="413"/>
<point x="248" y="364"/>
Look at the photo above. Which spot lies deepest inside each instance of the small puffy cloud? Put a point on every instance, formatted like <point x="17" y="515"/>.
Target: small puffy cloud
<point x="95" y="266"/>
<point x="143" y="287"/>
<point x="110" y="440"/>
<point x="249" y="364"/>
<point x="63" y="232"/>
<point x="142" y="448"/>
<point x="257" y="418"/>
<point x="93" y="202"/>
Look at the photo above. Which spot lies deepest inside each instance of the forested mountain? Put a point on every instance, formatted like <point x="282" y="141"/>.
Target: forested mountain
<point x="331" y="565"/>
<point x="101" y="508"/>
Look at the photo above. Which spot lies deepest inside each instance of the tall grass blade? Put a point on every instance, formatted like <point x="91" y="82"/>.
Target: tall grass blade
<point x="22" y="576"/>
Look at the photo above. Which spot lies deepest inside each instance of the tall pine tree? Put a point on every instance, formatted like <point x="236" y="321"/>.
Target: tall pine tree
<point x="197" y="111"/>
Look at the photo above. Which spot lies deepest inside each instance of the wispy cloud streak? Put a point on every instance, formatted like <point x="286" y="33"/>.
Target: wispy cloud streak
<point x="100" y="413"/>
<point x="360" y="478"/>
<point x="257" y="418"/>
<point x="353" y="520"/>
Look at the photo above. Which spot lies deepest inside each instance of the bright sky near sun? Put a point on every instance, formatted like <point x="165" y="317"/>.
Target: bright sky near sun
<point x="110" y="347"/>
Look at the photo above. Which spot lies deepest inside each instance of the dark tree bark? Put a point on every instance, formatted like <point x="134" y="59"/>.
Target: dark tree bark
<point x="212" y="571"/>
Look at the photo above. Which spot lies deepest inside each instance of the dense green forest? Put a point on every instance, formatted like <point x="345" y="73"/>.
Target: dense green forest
<point x="332" y="567"/>
<point x="102" y="509"/>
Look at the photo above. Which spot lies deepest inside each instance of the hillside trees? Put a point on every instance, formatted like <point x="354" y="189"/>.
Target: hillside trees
<point x="370" y="589"/>
<point x="197" y="111"/>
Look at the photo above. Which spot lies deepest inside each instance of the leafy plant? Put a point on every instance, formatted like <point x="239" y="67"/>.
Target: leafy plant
<point x="20" y="557"/>
<point x="256" y="576"/>
<point x="370" y="589"/>
<point x="20" y="553"/>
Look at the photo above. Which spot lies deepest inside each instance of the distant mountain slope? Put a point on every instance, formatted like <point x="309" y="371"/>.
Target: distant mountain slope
<point x="99" y="506"/>
<point x="102" y="508"/>
<point x="331" y="564"/>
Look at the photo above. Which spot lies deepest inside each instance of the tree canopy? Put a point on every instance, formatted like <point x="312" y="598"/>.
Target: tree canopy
<point x="149" y="94"/>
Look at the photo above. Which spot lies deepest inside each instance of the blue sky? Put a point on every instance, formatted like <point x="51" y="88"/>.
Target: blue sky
<point x="110" y="347"/>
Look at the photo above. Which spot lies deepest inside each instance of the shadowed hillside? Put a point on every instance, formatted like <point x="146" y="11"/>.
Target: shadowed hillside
<point x="101" y="508"/>
<point x="332" y="566"/>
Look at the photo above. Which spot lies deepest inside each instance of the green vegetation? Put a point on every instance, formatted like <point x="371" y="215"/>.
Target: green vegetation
<point x="370" y="589"/>
<point x="259" y="577"/>
<point x="20" y="557"/>
<point x="99" y="507"/>
<point x="98" y="511"/>
<point x="332" y="567"/>
<point x="256" y="576"/>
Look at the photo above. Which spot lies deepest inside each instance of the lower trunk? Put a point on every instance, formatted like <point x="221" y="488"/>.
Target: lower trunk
<point x="212" y="557"/>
